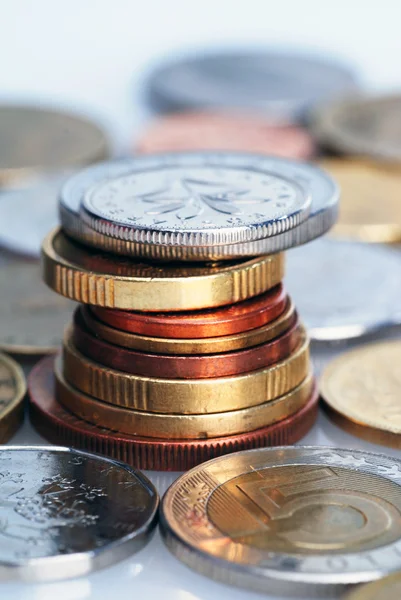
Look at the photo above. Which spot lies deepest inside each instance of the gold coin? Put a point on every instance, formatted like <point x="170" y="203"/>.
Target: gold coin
<point x="12" y="393"/>
<point x="362" y="388"/>
<point x="225" y="343"/>
<point x="32" y="318"/>
<point x="180" y="426"/>
<point x="388" y="588"/>
<point x="370" y="207"/>
<point x="85" y="275"/>
<point x="184" y="396"/>
<point x="36" y="140"/>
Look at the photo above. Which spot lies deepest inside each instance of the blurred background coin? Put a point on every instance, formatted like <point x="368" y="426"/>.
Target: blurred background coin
<point x="387" y="588"/>
<point x="12" y="394"/>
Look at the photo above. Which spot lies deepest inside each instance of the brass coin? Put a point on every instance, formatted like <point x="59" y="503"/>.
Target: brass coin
<point x="361" y="390"/>
<point x="370" y="207"/>
<point x="12" y="393"/>
<point x="180" y="426"/>
<point x="184" y="396"/>
<point x="85" y="275"/>
<point x="225" y="343"/>
<point x="388" y="588"/>
<point x="32" y="318"/>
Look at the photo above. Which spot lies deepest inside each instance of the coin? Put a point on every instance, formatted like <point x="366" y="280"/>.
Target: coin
<point x="225" y="131"/>
<point x="388" y="588"/>
<point x="195" y="199"/>
<point x="181" y="396"/>
<point x="67" y="513"/>
<point x="288" y="520"/>
<point x="87" y="276"/>
<point x="284" y="86"/>
<point x="183" y="366"/>
<point x="344" y="289"/>
<point x="226" y="343"/>
<point x="324" y="194"/>
<point x="32" y="317"/>
<point x="362" y="125"/>
<point x="12" y="393"/>
<point x="370" y="209"/>
<point x="230" y="319"/>
<point x="58" y="425"/>
<point x="361" y="391"/>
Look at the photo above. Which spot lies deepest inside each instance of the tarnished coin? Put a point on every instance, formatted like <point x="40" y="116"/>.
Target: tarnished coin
<point x="288" y="520"/>
<point x="344" y="289"/>
<point x="363" y="126"/>
<point x="32" y="317"/>
<point x="67" y="513"/>
<point x="12" y="393"/>
<point x="283" y="85"/>
<point x="361" y="389"/>
<point x="387" y="588"/>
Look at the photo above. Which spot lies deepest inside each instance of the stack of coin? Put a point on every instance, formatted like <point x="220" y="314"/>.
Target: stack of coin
<point x="169" y="363"/>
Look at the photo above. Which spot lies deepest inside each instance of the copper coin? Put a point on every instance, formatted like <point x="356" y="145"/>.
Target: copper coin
<point x="234" y="318"/>
<point x="184" y="366"/>
<point x="59" y="426"/>
<point x="218" y="131"/>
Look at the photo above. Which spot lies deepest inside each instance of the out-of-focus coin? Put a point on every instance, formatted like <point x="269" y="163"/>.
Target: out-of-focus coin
<point x="32" y="318"/>
<point x="91" y="277"/>
<point x="361" y="389"/>
<point x="12" y="393"/>
<point x="284" y="86"/>
<point x="362" y="126"/>
<point x="58" y="425"/>
<point x="67" y="513"/>
<point x="370" y="207"/>
<point x="344" y="289"/>
<point x="288" y="520"/>
<point x="387" y="588"/>
<point x="222" y="131"/>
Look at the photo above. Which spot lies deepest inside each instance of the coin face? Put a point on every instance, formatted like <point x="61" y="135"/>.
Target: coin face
<point x="12" y="392"/>
<point x="32" y="317"/>
<point x="83" y="510"/>
<point x="388" y="588"/>
<point x="196" y="199"/>
<point x="344" y="289"/>
<point x="288" y="518"/>
<point x="361" y="387"/>
<point x="282" y="85"/>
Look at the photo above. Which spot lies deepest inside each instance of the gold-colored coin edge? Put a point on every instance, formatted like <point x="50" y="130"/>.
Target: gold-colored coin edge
<point x="12" y="416"/>
<point x="375" y="590"/>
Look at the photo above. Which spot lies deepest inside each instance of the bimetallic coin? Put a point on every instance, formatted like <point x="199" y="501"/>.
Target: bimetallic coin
<point x="91" y="277"/>
<point x="67" y="513"/>
<point x="288" y="520"/>
<point x="284" y="86"/>
<point x="344" y="289"/>
<point x="12" y="393"/>
<point x="32" y="318"/>
<point x="361" y="389"/>
<point x="58" y="425"/>
<point x="387" y="588"/>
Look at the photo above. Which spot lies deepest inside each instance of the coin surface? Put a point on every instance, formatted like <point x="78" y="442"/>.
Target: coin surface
<point x="363" y="126"/>
<point x="324" y="193"/>
<point x="361" y="389"/>
<point x="281" y="85"/>
<point x="288" y="520"/>
<point x="344" y="289"/>
<point x="67" y="513"/>
<point x="91" y="277"/>
<point x="195" y="199"/>
<point x="12" y="393"/>
<point x="58" y="425"/>
<point x="370" y="209"/>
<point x="32" y="318"/>
<point x="225" y="131"/>
<point x="388" y="588"/>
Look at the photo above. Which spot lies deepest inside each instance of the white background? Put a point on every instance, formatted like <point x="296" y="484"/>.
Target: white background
<point x="93" y="55"/>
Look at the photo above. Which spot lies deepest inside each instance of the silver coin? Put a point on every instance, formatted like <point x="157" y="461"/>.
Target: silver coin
<point x="345" y="289"/>
<point x="66" y="513"/>
<point x="283" y="85"/>
<point x="291" y="520"/>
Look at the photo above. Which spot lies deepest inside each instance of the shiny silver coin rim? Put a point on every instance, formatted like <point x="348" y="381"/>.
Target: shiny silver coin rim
<point x="157" y="231"/>
<point x="66" y="566"/>
<point x="359" y="325"/>
<point x="295" y="575"/>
